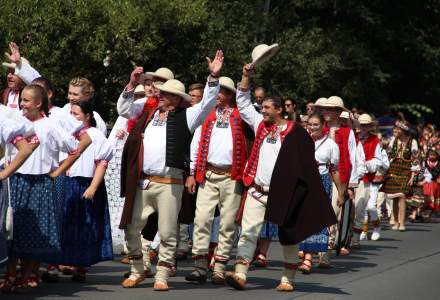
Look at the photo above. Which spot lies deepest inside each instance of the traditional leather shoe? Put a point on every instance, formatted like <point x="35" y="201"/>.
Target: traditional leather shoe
<point x="160" y="286"/>
<point x="285" y="287"/>
<point x="218" y="278"/>
<point x="234" y="281"/>
<point x="133" y="280"/>
<point x="125" y="260"/>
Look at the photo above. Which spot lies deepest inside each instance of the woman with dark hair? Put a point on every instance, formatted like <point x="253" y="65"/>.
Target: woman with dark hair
<point x="86" y="231"/>
<point x="399" y="178"/>
<point x="327" y="158"/>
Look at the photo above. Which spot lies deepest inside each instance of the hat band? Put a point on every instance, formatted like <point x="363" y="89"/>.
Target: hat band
<point x="401" y="126"/>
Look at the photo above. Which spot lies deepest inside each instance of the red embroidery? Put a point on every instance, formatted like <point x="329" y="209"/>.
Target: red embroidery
<point x="80" y="133"/>
<point x="33" y="140"/>
<point x="17" y="139"/>
<point x="150" y="103"/>
<point x="101" y="162"/>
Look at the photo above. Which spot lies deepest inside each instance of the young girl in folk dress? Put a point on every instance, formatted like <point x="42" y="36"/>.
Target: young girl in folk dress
<point x="36" y="231"/>
<point x="11" y="132"/>
<point x="431" y="184"/>
<point x="86" y="231"/>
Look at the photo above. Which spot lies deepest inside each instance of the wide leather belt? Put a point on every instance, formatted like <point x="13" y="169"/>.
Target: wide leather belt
<point x="259" y="189"/>
<point x="219" y="171"/>
<point x="161" y="179"/>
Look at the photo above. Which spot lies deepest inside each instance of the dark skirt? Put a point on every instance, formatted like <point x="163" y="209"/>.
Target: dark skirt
<point x="36" y="229"/>
<point x="319" y="242"/>
<point x="3" y="205"/>
<point x="398" y="175"/>
<point x="86" y="237"/>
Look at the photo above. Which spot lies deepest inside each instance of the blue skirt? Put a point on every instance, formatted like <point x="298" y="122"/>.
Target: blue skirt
<point x="319" y="242"/>
<point x="269" y="230"/>
<point x="36" y="230"/>
<point x="86" y="237"/>
<point x="3" y="205"/>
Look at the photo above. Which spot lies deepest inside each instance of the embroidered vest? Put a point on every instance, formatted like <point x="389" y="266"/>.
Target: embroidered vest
<point x="342" y="135"/>
<point x="369" y="146"/>
<point x="238" y="145"/>
<point x="263" y="130"/>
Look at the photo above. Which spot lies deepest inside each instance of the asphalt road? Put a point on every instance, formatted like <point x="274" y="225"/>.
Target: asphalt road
<point x="403" y="265"/>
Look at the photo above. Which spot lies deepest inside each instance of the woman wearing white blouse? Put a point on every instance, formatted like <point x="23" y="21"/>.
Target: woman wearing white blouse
<point x="86" y="231"/>
<point x="327" y="159"/>
<point x="36" y="232"/>
<point x="11" y="132"/>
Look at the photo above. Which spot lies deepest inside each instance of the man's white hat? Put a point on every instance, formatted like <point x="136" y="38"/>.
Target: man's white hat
<point x="9" y="65"/>
<point x="227" y="83"/>
<point x="320" y="101"/>
<point x="163" y="73"/>
<point x="262" y="53"/>
<point x="139" y="89"/>
<point x="365" y="119"/>
<point x="175" y="87"/>
<point x="333" y="101"/>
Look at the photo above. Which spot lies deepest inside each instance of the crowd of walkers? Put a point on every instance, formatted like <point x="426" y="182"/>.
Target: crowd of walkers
<point x="193" y="175"/>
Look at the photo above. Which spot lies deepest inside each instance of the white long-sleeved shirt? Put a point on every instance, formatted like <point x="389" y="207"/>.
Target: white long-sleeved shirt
<point x="220" y="146"/>
<point x="155" y="135"/>
<point x="378" y="162"/>
<point x="268" y="151"/>
<point x="9" y="130"/>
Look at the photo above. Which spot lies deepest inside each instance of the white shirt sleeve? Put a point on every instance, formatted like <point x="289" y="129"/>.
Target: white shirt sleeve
<point x="127" y="107"/>
<point x="352" y="150"/>
<point x="68" y="123"/>
<point x="196" y="114"/>
<point x="9" y="130"/>
<point x="104" y="151"/>
<point x="195" y="148"/>
<point x="414" y="146"/>
<point x="334" y="155"/>
<point x="247" y="111"/>
<point x="62" y="141"/>
<point x="379" y="161"/>
<point x="100" y="124"/>
<point x="361" y="166"/>
<point x="26" y="72"/>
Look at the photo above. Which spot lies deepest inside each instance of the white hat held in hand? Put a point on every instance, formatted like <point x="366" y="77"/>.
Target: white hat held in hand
<point x="175" y="87"/>
<point x="263" y="53"/>
<point x="163" y="73"/>
<point x="227" y="83"/>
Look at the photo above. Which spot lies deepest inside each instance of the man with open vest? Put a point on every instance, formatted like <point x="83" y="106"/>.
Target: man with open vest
<point x="219" y="162"/>
<point x="376" y="160"/>
<point x="154" y="158"/>
<point x="281" y="174"/>
<point x="350" y="159"/>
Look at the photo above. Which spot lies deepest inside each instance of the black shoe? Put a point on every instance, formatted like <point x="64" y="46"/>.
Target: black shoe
<point x="49" y="278"/>
<point x="196" y="276"/>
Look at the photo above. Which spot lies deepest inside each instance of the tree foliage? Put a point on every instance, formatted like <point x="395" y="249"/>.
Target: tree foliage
<point x="374" y="54"/>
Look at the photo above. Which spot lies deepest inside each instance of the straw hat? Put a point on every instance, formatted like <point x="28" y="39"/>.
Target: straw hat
<point x="139" y="89"/>
<point x="262" y="53"/>
<point x="365" y="119"/>
<point x="175" y="87"/>
<point x="320" y="101"/>
<point x="227" y="83"/>
<point x="163" y="73"/>
<point x="9" y="65"/>
<point x="333" y="101"/>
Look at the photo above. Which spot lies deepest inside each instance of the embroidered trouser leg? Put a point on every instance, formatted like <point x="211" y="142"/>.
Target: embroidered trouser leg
<point x="251" y="223"/>
<point x="372" y="202"/>
<point x="166" y="200"/>
<point x="337" y="210"/>
<point x="217" y="189"/>
<point x="360" y="205"/>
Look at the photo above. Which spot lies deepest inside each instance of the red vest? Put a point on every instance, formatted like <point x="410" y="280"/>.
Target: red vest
<point x="263" y="130"/>
<point x="238" y="146"/>
<point x="342" y="135"/>
<point x="369" y="146"/>
<point x="151" y="102"/>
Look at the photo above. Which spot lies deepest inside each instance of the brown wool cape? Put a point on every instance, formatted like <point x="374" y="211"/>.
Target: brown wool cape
<point x="297" y="201"/>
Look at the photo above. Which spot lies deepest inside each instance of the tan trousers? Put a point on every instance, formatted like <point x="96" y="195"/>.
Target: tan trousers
<point x="223" y="191"/>
<point x="165" y="199"/>
<point x="337" y="210"/>
<point x="361" y="199"/>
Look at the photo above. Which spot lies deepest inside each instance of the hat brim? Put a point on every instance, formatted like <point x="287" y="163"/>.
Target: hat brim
<point x="234" y="90"/>
<point x="174" y="92"/>
<point x="153" y="74"/>
<point x="330" y="105"/>
<point x="265" y="55"/>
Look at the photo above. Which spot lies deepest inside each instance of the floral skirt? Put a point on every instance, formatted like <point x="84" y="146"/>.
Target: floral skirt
<point x="36" y="229"/>
<point x="319" y="242"/>
<point x="86" y="232"/>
